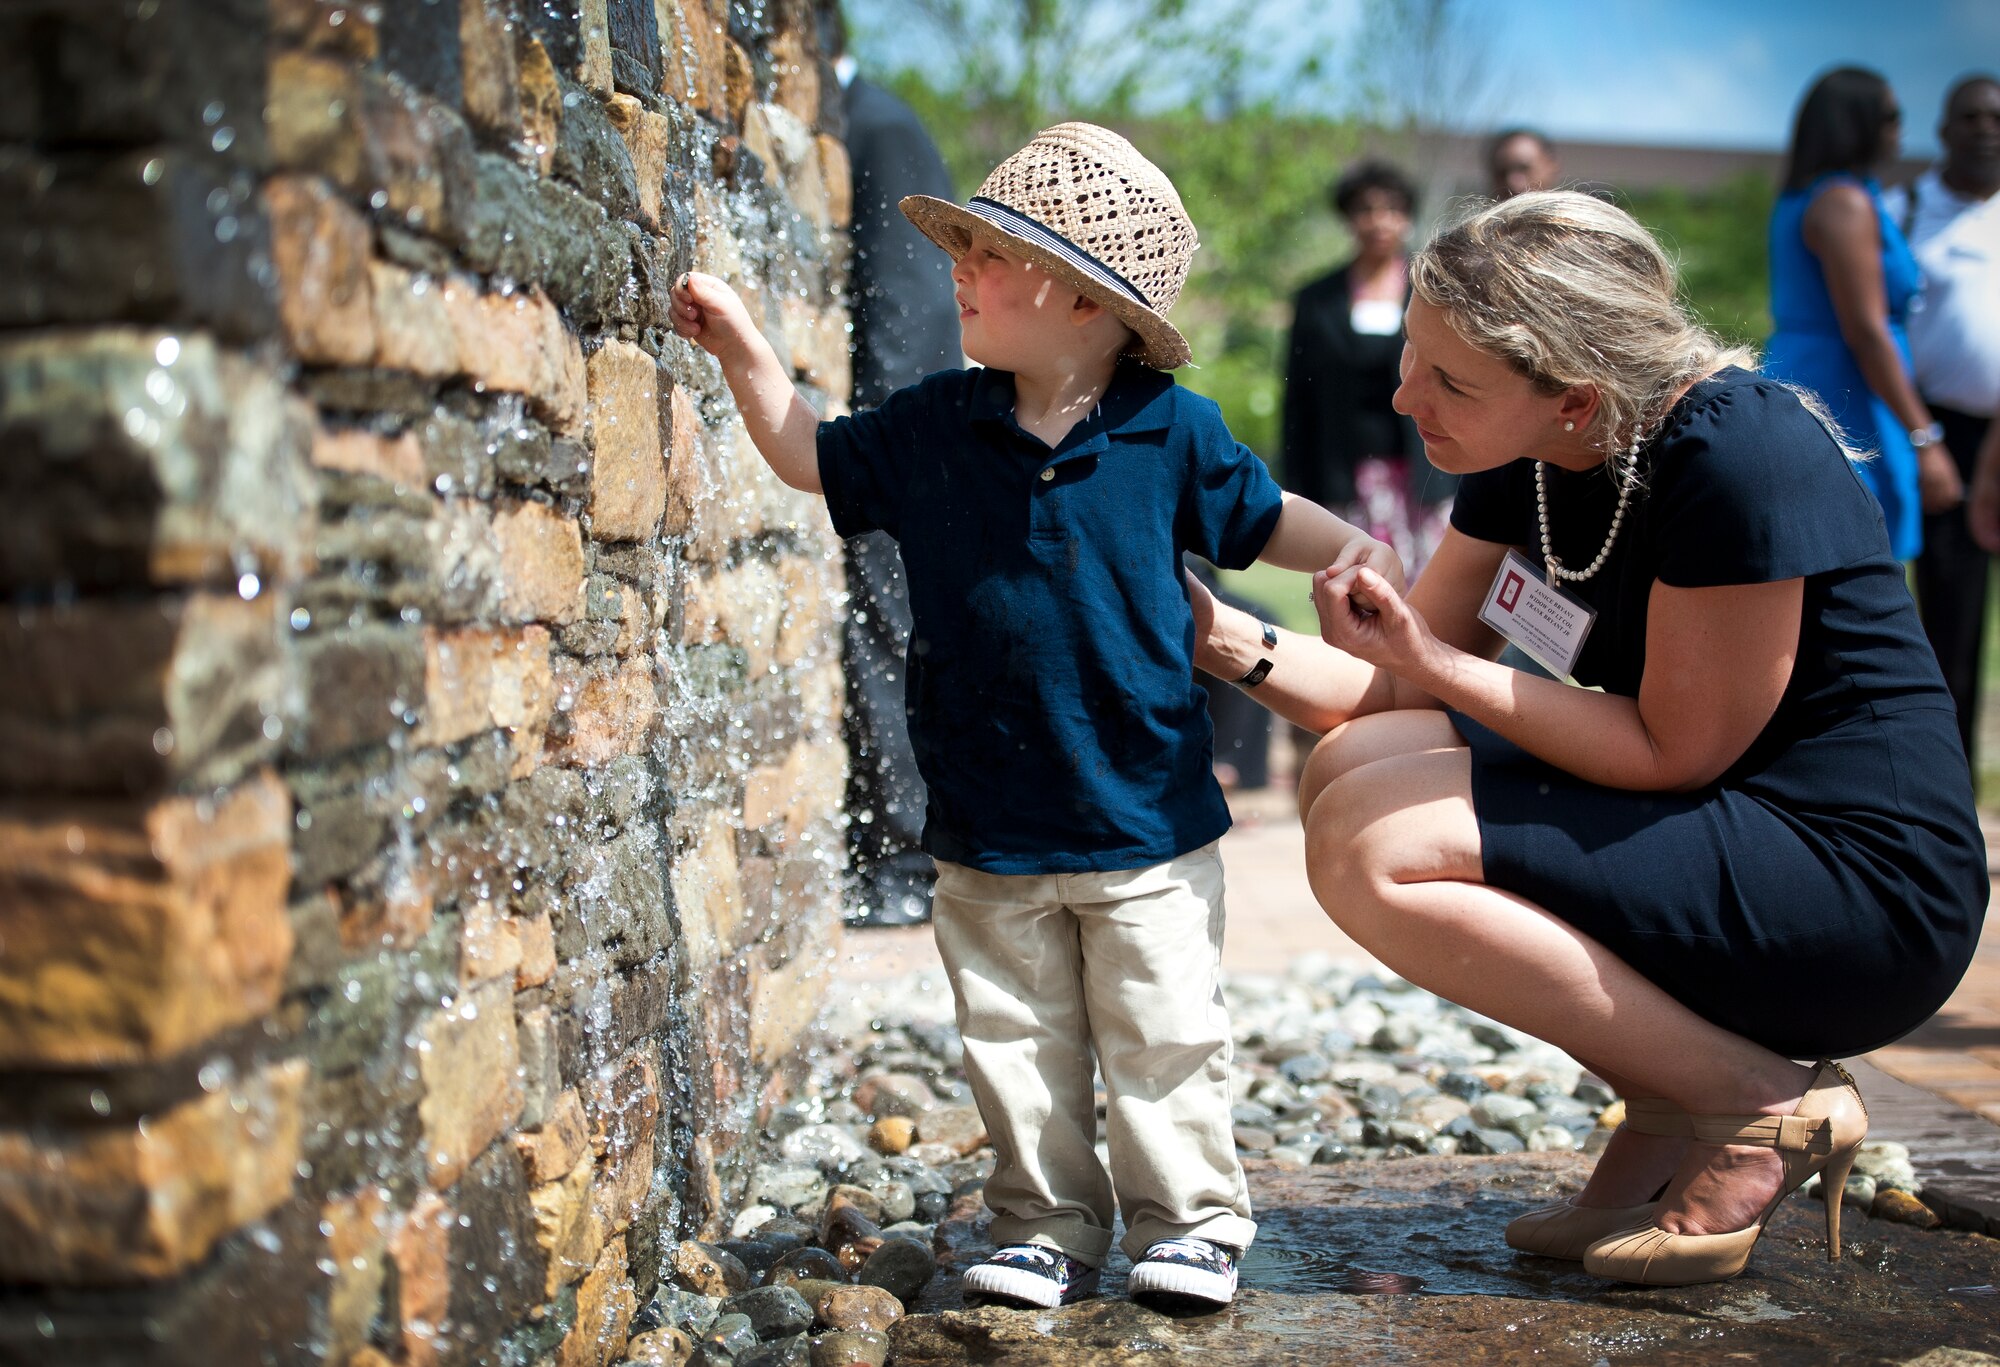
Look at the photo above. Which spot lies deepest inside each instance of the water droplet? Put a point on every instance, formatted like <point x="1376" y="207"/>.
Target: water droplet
<point x="274" y="727"/>
<point x="352" y="990"/>
<point x="211" y="114"/>
<point x="301" y="619"/>
<point x="168" y="351"/>
<point x="226" y="228"/>
<point x="210" y="1076"/>
<point x="222" y="139"/>
<point x="99" y="1102"/>
<point x="379" y="200"/>
<point x="248" y="586"/>
<point x="163" y="741"/>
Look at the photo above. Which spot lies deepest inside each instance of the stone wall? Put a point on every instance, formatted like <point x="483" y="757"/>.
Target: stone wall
<point x="419" y="750"/>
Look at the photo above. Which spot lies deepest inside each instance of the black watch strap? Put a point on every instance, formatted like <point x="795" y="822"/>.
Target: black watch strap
<point x="1262" y="669"/>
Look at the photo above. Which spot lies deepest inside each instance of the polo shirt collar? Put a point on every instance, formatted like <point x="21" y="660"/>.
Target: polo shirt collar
<point x="1139" y="399"/>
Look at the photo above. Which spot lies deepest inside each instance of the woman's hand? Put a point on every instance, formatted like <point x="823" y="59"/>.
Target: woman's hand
<point x="1939" y="488"/>
<point x="1378" y="556"/>
<point x="1362" y="612"/>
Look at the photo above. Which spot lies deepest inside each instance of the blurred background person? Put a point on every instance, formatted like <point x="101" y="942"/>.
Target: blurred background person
<point x="1519" y="160"/>
<point x="1842" y="278"/>
<point x="1951" y="216"/>
<point x="1345" y="447"/>
<point x="905" y="327"/>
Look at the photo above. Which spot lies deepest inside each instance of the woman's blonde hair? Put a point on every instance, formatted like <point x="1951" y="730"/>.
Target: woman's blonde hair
<point x="1571" y="290"/>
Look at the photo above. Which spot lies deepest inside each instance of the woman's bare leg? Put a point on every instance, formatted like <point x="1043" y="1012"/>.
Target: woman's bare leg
<point x="1393" y="853"/>
<point x="1364" y="740"/>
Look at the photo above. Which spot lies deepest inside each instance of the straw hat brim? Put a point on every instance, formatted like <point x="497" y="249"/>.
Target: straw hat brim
<point x="950" y="226"/>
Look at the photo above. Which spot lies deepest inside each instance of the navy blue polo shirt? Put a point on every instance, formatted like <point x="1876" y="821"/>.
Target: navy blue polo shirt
<point x="1051" y="696"/>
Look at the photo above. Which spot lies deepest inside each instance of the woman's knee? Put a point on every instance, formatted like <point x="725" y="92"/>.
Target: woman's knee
<point x="1402" y="820"/>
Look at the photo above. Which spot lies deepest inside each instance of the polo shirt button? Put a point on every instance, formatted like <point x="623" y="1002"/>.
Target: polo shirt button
<point x="1048" y="474"/>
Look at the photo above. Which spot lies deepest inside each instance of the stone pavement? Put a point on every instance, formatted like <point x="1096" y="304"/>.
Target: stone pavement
<point x="1941" y="1095"/>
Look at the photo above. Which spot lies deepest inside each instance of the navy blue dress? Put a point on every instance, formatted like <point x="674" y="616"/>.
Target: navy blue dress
<point x="1824" y="896"/>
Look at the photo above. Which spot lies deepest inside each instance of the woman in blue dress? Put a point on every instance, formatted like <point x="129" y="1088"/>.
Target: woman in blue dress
<point x="1842" y="278"/>
<point x="1751" y="840"/>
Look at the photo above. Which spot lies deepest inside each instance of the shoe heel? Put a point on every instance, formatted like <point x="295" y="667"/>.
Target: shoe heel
<point x="1833" y="1185"/>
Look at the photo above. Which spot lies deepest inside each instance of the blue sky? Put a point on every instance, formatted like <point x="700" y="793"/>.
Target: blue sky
<point x="1719" y="73"/>
<point x="1729" y="72"/>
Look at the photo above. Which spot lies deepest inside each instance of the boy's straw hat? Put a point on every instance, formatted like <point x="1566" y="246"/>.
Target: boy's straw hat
<point x="1082" y="203"/>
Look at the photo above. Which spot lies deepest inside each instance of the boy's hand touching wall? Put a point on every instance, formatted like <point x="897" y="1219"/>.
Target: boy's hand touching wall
<point x="707" y="312"/>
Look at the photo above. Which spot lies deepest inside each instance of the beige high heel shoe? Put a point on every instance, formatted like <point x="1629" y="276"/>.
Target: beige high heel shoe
<point x="1565" y="1229"/>
<point x="1822" y="1135"/>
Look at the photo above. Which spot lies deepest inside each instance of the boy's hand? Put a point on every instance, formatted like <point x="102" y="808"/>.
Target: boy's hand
<point x="708" y="313"/>
<point x="1378" y="556"/>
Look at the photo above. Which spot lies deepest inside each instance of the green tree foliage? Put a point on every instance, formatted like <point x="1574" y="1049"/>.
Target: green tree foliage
<point x="1718" y="238"/>
<point x="1254" y="174"/>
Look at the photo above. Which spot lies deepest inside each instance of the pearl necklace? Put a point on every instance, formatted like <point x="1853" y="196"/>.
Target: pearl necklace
<point x="1549" y="560"/>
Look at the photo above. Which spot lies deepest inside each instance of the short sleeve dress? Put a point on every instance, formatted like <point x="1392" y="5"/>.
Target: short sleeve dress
<point x="1824" y="896"/>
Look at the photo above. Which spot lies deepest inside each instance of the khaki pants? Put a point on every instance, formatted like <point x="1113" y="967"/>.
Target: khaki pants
<point x="1046" y="966"/>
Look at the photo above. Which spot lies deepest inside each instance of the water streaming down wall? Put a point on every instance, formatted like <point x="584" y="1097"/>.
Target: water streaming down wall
<point x="419" y="747"/>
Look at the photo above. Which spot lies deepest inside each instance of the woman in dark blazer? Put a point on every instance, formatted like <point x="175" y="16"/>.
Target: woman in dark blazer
<point x="1345" y="447"/>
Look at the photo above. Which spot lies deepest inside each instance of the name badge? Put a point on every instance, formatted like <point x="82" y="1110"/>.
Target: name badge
<point x="1544" y="621"/>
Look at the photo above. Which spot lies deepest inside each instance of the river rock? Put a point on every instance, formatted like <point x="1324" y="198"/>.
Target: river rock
<point x="750" y="1219"/>
<point x="790" y="1185"/>
<point x="851" y="1348"/>
<point x="806" y="1264"/>
<point x="882" y="1095"/>
<point x="727" y="1340"/>
<point x="859" y="1198"/>
<point x="1903" y="1208"/>
<point x="708" y="1270"/>
<point x="825" y="1146"/>
<point x="958" y="1128"/>
<point x="794" y="1351"/>
<point x="1495" y="1110"/>
<point x="896" y="1198"/>
<point x="775" y="1312"/>
<point x="902" y="1267"/>
<point x="892" y="1134"/>
<point x="668" y="1346"/>
<point x="1252" y="1139"/>
<point x="1550" y="1139"/>
<point x="1438" y="1111"/>
<point x="858" y="1307"/>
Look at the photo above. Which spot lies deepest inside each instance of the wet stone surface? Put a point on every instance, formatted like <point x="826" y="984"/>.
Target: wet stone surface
<point x="1388" y="1141"/>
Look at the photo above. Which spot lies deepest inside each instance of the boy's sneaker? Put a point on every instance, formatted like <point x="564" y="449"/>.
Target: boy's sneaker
<point x="1198" y="1269"/>
<point x="1032" y="1274"/>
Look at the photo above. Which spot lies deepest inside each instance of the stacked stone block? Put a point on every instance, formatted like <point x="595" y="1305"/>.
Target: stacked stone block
<point x="419" y="745"/>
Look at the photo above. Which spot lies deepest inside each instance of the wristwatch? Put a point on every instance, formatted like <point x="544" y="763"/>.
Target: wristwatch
<point x="1920" y="437"/>
<point x="1260" y="670"/>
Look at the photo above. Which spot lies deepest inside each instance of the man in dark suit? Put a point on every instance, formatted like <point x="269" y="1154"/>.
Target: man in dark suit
<point x="905" y="327"/>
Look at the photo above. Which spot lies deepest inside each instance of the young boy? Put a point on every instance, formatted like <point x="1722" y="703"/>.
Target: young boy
<point x="1042" y="503"/>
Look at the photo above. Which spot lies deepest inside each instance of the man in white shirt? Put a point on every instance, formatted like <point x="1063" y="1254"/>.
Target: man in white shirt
<point x="1952" y="217"/>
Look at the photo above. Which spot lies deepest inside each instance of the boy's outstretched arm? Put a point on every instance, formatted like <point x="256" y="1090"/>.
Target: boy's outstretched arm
<point x="1308" y="538"/>
<point x="782" y="424"/>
